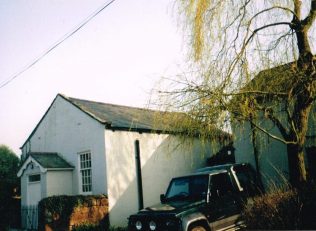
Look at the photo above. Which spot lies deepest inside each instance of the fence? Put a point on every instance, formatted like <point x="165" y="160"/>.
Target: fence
<point x="29" y="217"/>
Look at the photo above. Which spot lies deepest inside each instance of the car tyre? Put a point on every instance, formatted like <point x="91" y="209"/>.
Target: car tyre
<point x="198" y="228"/>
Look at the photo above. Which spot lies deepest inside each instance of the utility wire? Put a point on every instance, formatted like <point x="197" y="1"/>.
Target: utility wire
<point x="65" y="37"/>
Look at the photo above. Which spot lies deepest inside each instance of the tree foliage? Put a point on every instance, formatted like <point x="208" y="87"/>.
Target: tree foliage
<point x="9" y="164"/>
<point x="9" y="184"/>
<point x="252" y="61"/>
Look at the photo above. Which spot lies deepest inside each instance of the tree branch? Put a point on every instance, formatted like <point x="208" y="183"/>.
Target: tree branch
<point x="271" y="135"/>
<point x="264" y="27"/>
<point x="308" y="21"/>
<point x="278" y="123"/>
<point x="251" y="121"/>
<point x="272" y="8"/>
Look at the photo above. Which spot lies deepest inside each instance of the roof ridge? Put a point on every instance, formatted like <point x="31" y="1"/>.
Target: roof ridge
<point x="117" y="105"/>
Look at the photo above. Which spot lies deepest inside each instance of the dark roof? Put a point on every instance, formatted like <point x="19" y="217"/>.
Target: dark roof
<point x="50" y="160"/>
<point x="125" y="117"/>
<point x="118" y="117"/>
<point x="278" y="79"/>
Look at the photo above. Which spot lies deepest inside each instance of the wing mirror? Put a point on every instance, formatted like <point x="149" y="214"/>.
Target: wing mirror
<point x="162" y="198"/>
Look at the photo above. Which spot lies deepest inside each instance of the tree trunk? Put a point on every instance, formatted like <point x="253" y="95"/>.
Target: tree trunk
<point x="296" y="150"/>
<point x="255" y="149"/>
<point x="296" y="165"/>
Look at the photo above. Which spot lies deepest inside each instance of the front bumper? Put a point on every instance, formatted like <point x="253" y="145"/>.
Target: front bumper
<point x="161" y="223"/>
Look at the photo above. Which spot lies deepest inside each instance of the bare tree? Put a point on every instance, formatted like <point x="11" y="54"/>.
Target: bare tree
<point x="252" y="61"/>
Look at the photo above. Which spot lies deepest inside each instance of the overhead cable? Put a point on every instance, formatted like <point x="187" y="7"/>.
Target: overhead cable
<point x="65" y="37"/>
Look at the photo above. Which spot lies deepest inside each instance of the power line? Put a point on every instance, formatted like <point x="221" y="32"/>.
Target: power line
<point x="65" y="37"/>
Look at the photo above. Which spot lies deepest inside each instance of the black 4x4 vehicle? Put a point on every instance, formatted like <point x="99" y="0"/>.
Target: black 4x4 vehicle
<point x="210" y="199"/>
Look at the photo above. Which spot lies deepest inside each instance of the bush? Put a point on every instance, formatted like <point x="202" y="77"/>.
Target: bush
<point x="59" y="212"/>
<point x="279" y="209"/>
<point x="282" y="209"/>
<point x="9" y="188"/>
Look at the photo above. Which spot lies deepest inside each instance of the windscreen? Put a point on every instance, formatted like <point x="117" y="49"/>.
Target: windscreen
<point x="191" y="187"/>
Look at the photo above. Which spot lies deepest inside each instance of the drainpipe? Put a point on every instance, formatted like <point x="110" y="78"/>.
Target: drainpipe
<point x="139" y="176"/>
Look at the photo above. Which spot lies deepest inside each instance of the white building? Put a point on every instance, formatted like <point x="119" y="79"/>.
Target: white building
<point x="85" y="147"/>
<point x="272" y="154"/>
<point x="272" y="159"/>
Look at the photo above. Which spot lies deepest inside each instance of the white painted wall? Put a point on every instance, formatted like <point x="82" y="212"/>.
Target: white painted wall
<point x="273" y="162"/>
<point x="58" y="183"/>
<point x="67" y="130"/>
<point x="23" y="183"/>
<point x="273" y="159"/>
<point x="311" y="132"/>
<point x="32" y="193"/>
<point x="162" y="157"/>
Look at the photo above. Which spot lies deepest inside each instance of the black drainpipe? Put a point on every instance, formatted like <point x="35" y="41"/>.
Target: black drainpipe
<point x="139" y="176"/>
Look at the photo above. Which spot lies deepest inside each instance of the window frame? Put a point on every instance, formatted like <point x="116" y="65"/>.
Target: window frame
<point x="85" y="172"/>
<point x="223" y="193"/>
<point x="34" y="181"/>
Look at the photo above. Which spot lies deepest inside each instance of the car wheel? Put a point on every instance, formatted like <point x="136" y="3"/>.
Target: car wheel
<point x="198" y="228"/>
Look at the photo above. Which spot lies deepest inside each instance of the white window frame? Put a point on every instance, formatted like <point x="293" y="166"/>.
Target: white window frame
<point x="36" y="181"/>
<point x="85" y="172"/>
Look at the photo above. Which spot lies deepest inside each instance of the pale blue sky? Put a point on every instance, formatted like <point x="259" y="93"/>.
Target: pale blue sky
<point x="116" y="58"/>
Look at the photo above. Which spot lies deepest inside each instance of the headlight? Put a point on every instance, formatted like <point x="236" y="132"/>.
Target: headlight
<point x="152" y="225"/>
<point x="138" y="225"/>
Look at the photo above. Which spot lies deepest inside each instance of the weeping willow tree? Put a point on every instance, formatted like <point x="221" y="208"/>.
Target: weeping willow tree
<point x="250" y="61"/>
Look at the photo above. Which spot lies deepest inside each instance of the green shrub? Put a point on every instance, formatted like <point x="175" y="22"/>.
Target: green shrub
<point x="9" y="188"/>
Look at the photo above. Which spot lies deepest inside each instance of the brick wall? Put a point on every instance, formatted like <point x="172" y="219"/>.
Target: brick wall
<point x="64" y="212"/>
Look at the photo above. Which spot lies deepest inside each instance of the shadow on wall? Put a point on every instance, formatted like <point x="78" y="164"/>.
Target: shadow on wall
<point x="172" y="157"/>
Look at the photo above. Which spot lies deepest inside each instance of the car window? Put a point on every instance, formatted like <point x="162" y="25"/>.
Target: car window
<point x="199" y="187"/>
<point x="178" y="186"/>
<point x="191" y="187"/>
<point x="247" y="180"/>
<point x="221" y="185"/>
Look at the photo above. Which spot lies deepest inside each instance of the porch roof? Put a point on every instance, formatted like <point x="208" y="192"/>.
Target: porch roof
<point x="46" y="161"/>
<point x="50" y="160"/>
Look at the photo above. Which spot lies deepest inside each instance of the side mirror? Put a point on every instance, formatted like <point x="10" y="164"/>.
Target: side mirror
<point x="162" y="198"/>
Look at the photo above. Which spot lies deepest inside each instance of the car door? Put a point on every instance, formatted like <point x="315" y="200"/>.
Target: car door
<point x="223" y="205"/>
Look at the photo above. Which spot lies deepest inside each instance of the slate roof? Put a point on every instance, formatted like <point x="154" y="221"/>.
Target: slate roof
<point x="125" y="117"/>
<point x="118" y="117"/>
<point x="50" y="160"/>
<point x="277" y="79"/>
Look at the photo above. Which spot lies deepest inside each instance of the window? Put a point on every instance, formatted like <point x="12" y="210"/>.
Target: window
<point x="247" y="180"/>
<point x="85" y="172"/>
<point x="221" y="185"/>
<point x="191" y="187"/>
<point x="34" y="178"/>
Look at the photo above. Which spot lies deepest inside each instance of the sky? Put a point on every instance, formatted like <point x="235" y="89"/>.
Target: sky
<point x="118" y="57"/>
